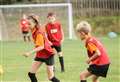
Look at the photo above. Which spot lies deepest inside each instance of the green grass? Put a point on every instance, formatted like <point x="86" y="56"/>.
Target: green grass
<point x="16" y="66"/>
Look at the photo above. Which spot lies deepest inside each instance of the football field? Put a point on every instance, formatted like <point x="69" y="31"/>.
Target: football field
<point x="16" y="66"/>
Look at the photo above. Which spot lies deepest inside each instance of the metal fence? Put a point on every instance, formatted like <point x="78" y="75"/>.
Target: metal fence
<point x="83" y="7"/>
<point x="97" y="7"/>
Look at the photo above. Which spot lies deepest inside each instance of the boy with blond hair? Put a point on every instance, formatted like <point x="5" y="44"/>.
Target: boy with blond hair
<point x="98" y="59"/>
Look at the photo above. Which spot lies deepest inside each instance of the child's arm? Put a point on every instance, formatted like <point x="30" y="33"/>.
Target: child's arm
<point x="94" y="50"/>
<point x="33" y="51"/>
<point x="95" y="55"/>
<point x="62" y="35"/>
<point x="39" y="43"/>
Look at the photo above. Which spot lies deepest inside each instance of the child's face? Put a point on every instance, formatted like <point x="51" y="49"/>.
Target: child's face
<point x="81" y="35"/>
<point x="31" y="23"/>
<point x="51" y="19"/>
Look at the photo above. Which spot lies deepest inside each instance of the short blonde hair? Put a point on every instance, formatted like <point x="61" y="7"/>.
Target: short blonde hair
<point x="83" y="26"/>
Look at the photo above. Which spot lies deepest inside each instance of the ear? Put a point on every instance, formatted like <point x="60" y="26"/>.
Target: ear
<point x="82" y="33"/>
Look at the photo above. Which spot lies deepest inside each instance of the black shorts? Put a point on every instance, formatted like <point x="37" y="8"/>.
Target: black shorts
<point x="57" y="48"/>
<point x="25" y="32"/>
<point x="47" y="61"/>
<point x="99" y="70"/>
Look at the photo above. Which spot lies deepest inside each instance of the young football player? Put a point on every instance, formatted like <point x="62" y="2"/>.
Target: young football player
<point x="43" y="50"/>
<point x="56" y="36"/>
<point x="24" y="28"/>
<point x="98" y="59"/>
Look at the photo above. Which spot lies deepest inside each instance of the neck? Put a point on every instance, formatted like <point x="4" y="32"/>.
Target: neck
<point x="33" y="30"/>
<point x="87" y="37"/>
<point x="52" y="22"/>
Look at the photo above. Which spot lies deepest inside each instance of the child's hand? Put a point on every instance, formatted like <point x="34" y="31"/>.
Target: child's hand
<point x="26" y="54"/>
<point x="88" y="61"/>
<point x="62" y="41"/>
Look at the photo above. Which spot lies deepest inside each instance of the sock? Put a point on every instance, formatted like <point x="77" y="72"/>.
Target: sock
<point x="83" y="81"/>
<point x="32" y="77"/>
<point x="29" y="38"/>
<point x="54" y="68"/>
<point x="24" y="38"/>
<point x="61" y="60"/>
<point x="54" y="79"/>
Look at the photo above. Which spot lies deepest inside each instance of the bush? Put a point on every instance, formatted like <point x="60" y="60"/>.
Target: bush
<point x="102" y="25"/>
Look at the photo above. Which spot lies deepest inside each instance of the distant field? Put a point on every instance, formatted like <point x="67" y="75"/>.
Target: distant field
<point x="17" y="66"/>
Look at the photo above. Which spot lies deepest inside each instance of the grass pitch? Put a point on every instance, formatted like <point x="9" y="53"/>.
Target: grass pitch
<point x="16" y="66"/>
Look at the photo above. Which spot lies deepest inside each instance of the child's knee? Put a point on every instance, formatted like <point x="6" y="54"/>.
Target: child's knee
<point x="82" y="76"/>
